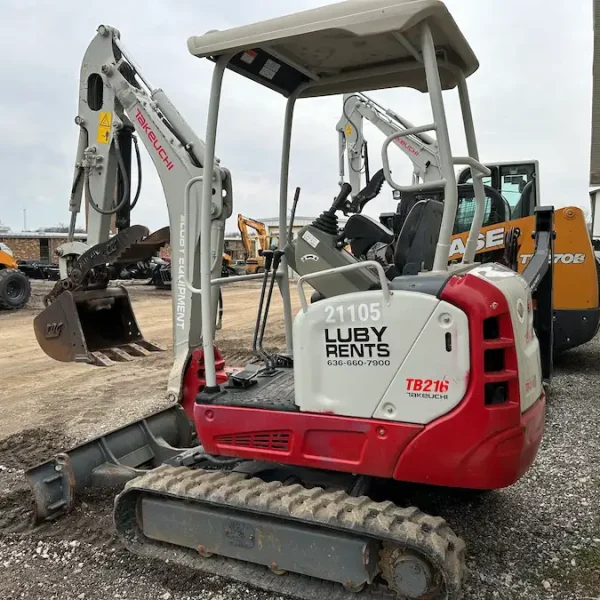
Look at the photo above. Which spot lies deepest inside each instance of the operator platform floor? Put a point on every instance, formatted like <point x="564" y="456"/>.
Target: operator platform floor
<point x="271" y="393"/>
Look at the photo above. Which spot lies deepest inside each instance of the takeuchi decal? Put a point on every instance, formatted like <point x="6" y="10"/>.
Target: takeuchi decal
<point x="162" y="153"/>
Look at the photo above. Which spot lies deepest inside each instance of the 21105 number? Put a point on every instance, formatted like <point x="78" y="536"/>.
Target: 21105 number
<point x="351" y="313"/>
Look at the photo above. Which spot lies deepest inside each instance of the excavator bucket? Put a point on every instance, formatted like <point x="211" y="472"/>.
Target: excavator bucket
<point x="93" y="326"/>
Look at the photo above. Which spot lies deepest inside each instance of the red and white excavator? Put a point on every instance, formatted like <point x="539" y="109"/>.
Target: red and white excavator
<point x="281" y="475"/>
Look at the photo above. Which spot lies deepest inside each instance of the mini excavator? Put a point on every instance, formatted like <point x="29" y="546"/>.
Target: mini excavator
<point x="282" y="476"/>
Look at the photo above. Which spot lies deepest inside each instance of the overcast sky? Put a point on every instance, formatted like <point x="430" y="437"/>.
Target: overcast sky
<point x="531" y="98"/>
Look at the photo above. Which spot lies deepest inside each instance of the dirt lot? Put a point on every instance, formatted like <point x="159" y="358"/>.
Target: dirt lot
<point x="537" y="539"/>
<point x="39" y="392"/>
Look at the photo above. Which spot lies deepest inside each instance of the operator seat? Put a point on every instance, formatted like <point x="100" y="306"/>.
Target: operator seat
<point x="415" y="247"/>
<point x="526" y="204"/>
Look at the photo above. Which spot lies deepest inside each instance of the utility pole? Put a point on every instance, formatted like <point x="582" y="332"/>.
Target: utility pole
<point x="24" y="219"/>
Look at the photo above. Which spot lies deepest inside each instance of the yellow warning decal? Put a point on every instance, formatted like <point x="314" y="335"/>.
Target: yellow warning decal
<point x="348" y="129"/>
<point x="104" y="123"/>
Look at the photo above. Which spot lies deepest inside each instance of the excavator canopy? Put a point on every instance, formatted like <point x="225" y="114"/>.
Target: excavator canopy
<point x="343" y="47"/>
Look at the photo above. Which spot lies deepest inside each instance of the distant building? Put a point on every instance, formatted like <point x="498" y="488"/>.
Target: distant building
<point x="35" y="245"/>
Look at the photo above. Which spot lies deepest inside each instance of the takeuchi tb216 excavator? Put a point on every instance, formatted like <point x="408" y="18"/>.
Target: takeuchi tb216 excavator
<point x="281" y="474"/>
<point x="512" y="194"/>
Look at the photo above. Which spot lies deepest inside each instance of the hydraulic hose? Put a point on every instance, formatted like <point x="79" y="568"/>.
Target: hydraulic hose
<point x="138" y="160"/>
<point x="71" y="234"/>
<point x="125" y="198"/>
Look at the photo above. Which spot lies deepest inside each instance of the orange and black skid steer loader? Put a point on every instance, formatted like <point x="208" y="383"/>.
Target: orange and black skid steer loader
<point x="270" y="474"/>
<point x="507" y="236"/>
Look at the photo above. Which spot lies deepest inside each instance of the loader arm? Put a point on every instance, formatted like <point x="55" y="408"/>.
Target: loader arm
<point x="421" y="149"/>
<point x="115" y="100"/>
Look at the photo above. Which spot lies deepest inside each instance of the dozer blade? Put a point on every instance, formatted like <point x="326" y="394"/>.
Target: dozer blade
<point x="93" y="326"/>
<point x="109" y="461"/>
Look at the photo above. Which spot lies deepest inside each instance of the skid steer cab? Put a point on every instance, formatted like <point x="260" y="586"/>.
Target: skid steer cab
<point x="403" y="367"/>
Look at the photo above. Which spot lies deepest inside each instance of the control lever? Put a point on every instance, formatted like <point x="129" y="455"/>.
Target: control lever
<point x="268" y="256"/>
<point x="327" y="221"/>
<point x="247" y="377"/>
<point x="271" y="359"/>
<point x="370" y="191"/>
<point x="341" y="201"/>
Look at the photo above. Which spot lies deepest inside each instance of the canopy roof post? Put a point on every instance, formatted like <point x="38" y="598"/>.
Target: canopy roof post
<point x="465" y="105"/>
<point x="283" y="281"/>
<point x="208" y="314"/>
<point x="434" y="86"/>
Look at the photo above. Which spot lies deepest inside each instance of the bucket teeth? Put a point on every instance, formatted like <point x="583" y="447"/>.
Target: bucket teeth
<point x="120" y="354"/>
<point x="100" y="359"/>
<point x="126" y="353"/>
<point x="137" y="350"/>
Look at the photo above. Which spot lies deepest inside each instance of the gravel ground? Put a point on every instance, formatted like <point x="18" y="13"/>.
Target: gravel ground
<point x="539" y="539"/>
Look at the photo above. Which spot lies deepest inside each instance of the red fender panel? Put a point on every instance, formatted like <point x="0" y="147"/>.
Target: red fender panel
<point x="486" y="442"/>
<point x="319" y="441"/>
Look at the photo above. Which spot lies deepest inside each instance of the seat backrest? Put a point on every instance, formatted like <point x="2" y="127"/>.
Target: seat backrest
<point x="417" y="241"/>
<point x="526" y="204"/>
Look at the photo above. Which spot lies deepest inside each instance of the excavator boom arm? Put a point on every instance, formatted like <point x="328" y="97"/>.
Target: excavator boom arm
<point x="115" y="103"/>
<point x="421" y="149"/>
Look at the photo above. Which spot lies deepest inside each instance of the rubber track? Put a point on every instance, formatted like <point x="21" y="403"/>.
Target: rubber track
<point x="409" y="527"/>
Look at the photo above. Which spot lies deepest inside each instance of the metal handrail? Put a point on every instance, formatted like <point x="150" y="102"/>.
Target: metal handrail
<point x="186" y="215"/>
<point x="477" y="223"/>
<point x="352" y="267"/>
<point x="473" y="163"/>
<point x="418" y="187"/>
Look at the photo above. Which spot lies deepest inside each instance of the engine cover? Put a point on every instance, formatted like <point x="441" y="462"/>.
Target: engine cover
<point x="356" y="355"/>
<point x="412" y="359"/>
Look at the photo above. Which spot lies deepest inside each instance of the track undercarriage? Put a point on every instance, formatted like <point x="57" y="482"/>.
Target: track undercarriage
<point x="287" y="537"/>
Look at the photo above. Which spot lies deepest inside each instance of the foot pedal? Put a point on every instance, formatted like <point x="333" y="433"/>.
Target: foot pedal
<point x="283" y="361"/>
<point x="246" y="378"/>
<point x="269" y="371"/>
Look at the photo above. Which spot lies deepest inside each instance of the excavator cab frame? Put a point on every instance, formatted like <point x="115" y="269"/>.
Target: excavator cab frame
<point x="264" y="59"/>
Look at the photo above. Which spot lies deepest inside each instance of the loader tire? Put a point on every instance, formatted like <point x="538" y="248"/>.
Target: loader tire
<point x="15" y="289"/>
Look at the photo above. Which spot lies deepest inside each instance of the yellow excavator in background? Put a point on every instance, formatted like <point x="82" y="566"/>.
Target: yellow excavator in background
<point x="255" y="262"/>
